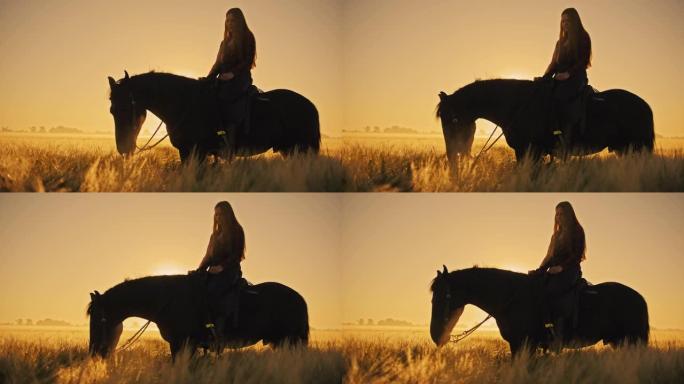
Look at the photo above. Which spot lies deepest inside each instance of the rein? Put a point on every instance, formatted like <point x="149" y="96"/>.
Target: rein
<point x="484" y="148"/>
<point x="134" y="338"/>
<point x="147" y="147"/>
<point x="463" y="335"/>
<point x="468" y="332"/>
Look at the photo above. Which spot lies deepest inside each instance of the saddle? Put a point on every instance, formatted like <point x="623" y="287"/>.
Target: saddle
<point x="223" y="302"/>
<point x="238" y="109"/>
<point x="574" y="111"/>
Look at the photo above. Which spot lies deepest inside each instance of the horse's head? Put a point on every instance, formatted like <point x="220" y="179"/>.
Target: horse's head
<point x="457" y="125"/>
<point x="129" y="115"/>
<point x="104" y="330"/>
<point x="447" y="307"/>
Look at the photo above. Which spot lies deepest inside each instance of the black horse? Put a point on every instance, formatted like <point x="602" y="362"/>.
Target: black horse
<point x="270" y="312"/>
<point x="282" y="120"/>
<point x="611" y="312"/>
<point x="615" y="119"/>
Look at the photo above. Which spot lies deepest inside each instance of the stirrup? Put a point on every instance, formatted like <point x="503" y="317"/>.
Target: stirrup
<point x="212" y="328"/>
<point x="557" y="133"/>
<point x="548" y="325"/>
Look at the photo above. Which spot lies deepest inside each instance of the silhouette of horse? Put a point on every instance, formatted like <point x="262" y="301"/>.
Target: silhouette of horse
<point x="615" y="119"/>
<point x="270" y="312"/>
<point x="611" y="312"/>
<point x="282" y="120"/>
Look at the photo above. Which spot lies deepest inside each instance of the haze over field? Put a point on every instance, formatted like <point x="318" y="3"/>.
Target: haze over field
<point x="351" y="256"/>
<point x="378" y="63"/>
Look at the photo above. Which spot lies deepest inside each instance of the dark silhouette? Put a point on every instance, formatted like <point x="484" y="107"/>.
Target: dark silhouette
<point x="280" y="119"/>
<point x="225" y="252"/>
<point x="235" y="59"/>
<point x="270" y="312"/>
<point x="561" y="270"/>
<point x="615" y="119"/>
<point x="611" y="312"/>
<point x="568" y="69"/>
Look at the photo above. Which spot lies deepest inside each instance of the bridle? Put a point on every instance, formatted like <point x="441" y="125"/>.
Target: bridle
<point x="447" y="310"/>
<point x="146" y="146"/>
<point x="485" y="148"/>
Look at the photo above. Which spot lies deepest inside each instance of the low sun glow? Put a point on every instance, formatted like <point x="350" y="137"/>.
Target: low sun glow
<point x="168" y="270"/>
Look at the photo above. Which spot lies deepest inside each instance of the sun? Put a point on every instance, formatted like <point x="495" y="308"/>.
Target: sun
<point x="169" y="269"/>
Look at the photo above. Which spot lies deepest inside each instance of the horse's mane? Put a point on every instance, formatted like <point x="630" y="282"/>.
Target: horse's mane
<point x="465" y="275"/>
<point x="142" y="283"/>
<point x="474" y="89"/>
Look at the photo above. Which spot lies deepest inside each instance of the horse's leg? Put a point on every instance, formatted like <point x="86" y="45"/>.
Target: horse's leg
<point x="175" y="346"/>
<point x="522" y="348"/>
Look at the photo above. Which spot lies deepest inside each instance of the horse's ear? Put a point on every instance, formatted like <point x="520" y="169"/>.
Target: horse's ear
<point x="445" y="271"/>
<point x="438" y="273"/>
<point x="442" y="96"/>
<point x="112" y="82"/>
<point x="126" y="75"/>
<point x="97" y="294"/>
<point x="92" y="296"/>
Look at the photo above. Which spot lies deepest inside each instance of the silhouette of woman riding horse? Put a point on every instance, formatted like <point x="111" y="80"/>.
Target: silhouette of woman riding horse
<point x="551" y="307"/>
<point x="212" y="307"/>
<point x="222" y="114"/>
<point x="557" y="114"/>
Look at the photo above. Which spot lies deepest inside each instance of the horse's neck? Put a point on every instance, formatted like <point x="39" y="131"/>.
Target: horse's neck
<point x="157" y="96"/>
<point x="488" y="290"/>
<point x="494" y="104"/>
<point x="136" y="300"/>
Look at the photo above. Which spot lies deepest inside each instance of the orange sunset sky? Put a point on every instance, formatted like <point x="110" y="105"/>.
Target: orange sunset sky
<point x="350" y="255"/>
<point x="379" y="62"/>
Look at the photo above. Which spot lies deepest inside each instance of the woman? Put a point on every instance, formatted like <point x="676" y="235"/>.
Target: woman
<point x="568" y="67"/>
<point x="222" y="261"/>
<point x="562" y="264"/>
<point x="234" y="62"/>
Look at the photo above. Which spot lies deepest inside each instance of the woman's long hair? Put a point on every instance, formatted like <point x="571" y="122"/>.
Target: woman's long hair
<point x="568" y="234"/>
<point x="241" y="44"/>
<point x="577" y="38"/>
<point x="227" y="232"/>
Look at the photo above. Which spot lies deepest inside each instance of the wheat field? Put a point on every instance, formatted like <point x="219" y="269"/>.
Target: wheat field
<point x="392" y="356"/>
<point x="351" y="164"/>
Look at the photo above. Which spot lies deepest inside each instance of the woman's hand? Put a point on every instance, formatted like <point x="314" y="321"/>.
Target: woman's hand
<point x="215" y="269"/>
<point x="226" y="76"/>
<point x="562" y="76"/>
<point x="555" y="269"/>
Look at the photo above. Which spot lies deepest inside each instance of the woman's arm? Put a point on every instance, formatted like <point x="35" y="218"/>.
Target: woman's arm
<point x="216" y="68"/>
<point x="207" y="259"/>
<point x="551" y="69"/>
<point x="549" y="254"/>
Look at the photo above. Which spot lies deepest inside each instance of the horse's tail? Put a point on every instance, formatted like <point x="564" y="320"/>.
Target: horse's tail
<point x="304" y="331"/>
<point x="640" y="333"/>
<point x="645" y="331"/>
<point x="649" y="142"/>
<point x="316" y="139"/>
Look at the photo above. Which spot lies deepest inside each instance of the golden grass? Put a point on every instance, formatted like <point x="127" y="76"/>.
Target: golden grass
<point x="90" y="164"/>
<point x="336" y="357"/>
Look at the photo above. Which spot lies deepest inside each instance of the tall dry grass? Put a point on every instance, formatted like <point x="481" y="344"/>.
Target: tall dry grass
<point x="346" y="165"/>
<point x="340" y="358"/>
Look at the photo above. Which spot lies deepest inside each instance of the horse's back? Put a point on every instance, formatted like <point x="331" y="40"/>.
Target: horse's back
<point x="620" y="310"/>
<point x="297" y="114"/>
<point x="277" y="290"/>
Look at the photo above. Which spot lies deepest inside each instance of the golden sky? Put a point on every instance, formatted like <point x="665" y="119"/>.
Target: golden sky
<point x="56" y="54"/>
<point x="379" y="62"/>
<point x="350" y="255"/>
<point x="393" y="245"/>
<point x="58" y="248"/>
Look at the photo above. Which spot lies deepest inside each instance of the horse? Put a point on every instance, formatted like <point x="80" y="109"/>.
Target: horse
<point x="611" y="312"/>
<point x="615" y="119"/>
<point x="268" y="312"/>
<point x="282" y="120"/>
